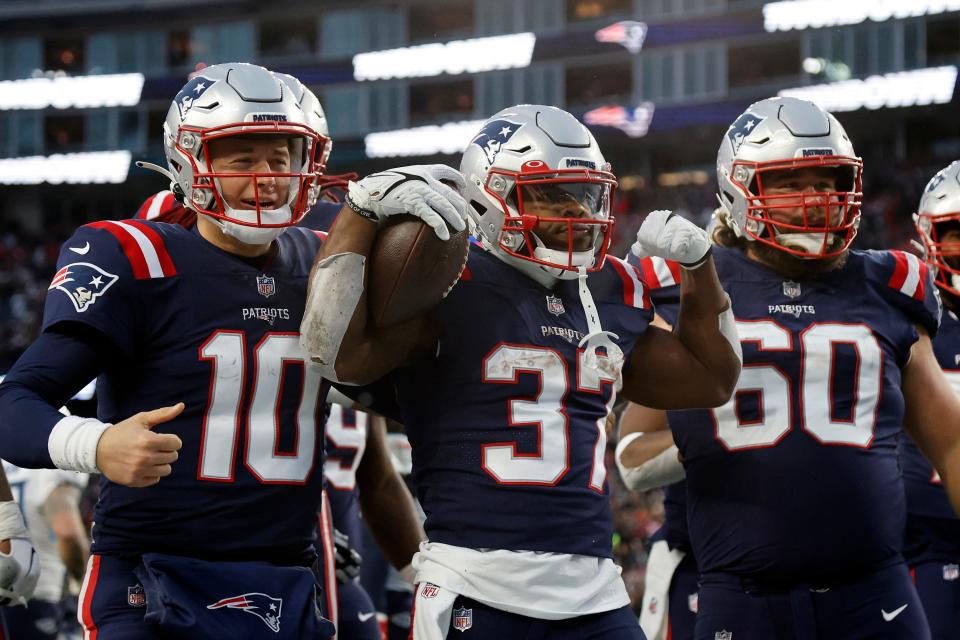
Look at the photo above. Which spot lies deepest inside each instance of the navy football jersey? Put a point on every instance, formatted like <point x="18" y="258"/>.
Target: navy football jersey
<point x="221" y="334"/>
<point x="346" y="440"/>
<point x="796" y="479"/>
<point x="933" y="529"/>
<point x="506" y="422"/>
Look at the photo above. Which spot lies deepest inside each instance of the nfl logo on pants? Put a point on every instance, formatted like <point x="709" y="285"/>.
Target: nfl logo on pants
<point x="462" y="618"/>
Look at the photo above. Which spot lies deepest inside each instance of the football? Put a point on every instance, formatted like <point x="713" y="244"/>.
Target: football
<point x="411" y="269"/>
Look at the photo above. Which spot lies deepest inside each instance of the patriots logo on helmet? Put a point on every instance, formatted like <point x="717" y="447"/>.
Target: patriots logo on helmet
<point x="493" y="136"/>
<point x="741" y="128"/>
<point x="83" y="282"/>
<point x="259" y="604"/>
<point x="190" y="92"/>
<point x="936" y="181"/>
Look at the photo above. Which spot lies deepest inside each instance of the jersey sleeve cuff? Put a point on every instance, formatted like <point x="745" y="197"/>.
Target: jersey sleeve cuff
<point x="73" y="443"/>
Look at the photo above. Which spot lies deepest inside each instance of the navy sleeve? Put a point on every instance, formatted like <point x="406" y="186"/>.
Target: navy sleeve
<point x="50" y="372"/>
<point x="905" y="282"/>
<point x="95" y="286"/>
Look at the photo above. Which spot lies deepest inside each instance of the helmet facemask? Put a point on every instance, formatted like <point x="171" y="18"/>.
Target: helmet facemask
<point x="807" y="224"/>
<point x="556" y="218"/>
<point x="259" y="222"/>
<point x="941" y="254"/>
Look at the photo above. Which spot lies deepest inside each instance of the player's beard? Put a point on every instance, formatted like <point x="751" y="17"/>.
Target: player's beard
<point x="793" y="267"/>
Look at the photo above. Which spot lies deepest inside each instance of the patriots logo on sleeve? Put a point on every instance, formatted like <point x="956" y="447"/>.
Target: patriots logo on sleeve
<point x="83" y="282"/>
<point x="493" y="136"/>
<point x="190" y="92"/>
<point x="259" y="604"/>
<point x="741" y="128"/>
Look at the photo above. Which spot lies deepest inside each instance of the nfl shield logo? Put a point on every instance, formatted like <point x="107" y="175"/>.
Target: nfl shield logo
<point x="555" y="305"/>
<point x="951" y="572"/>
<point x="693" y="602"/>
<point x="430" y="590"/>
<point x="723" y="635"/>
<point x="462" y="618"/>
<point x="135" y="596"/>
<point x="791" y="289"/>
<point x="266" y="286"/>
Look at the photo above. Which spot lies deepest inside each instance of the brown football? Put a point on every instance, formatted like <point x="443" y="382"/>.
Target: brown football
<point x="411" y="269"/>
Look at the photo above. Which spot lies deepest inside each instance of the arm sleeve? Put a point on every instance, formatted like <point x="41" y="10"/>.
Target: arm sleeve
<point x="51" y="371"/>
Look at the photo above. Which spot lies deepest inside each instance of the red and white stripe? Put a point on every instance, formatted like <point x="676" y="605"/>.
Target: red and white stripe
<point x="143" y="247"/>
<point x="634" y="292"/>
<point x="156" y="205"/>
<point x="329" y="560"/>
<point x="909" y="275"/>
<point x="659" y="273"/>
<point x="84" y="611"/>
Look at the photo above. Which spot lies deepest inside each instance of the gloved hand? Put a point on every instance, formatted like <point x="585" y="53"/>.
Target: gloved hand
<point x="20" y="568"/>
<point x="346" y="559"/>
<point x="672" y="237"/>
<point x="416" y="190"/>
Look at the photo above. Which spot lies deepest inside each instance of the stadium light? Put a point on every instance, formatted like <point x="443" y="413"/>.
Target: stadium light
<point x="634" y="121"/>
<point x="449" y="138"/>
<point x="455" y="57"/>
<point x="70" y="168"/>
<point x="114" y="90"/>
<point x="904" y="89"/>
<point x="816" y="14"/>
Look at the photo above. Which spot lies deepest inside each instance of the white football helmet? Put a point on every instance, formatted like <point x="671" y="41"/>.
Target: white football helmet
<point x="535" y="153"/>
<point x="239" y="99"/>
<point x="940" y="209"/>
<point x="789" y="133"/>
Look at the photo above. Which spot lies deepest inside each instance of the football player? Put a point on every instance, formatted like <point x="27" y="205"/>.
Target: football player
<point x="19" y="564"/>
<point x="50" y="498"/>
<point x="505" y="388"/>
<point x="208" y="437"/>
<point x="932" y="545"/>
<point x="795" y="502"/>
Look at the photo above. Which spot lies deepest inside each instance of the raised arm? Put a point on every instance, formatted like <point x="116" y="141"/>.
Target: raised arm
<point x="335" y="328"/>
<point x="932" y="415"/>
<point x="697" y="365"/>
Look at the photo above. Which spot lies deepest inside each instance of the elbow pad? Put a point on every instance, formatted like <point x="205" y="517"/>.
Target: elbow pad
<point x="663" y="469"/>
<point x="334" y="292"/>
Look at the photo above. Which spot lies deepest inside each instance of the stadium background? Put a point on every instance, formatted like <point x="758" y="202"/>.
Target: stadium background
<point x="85" y="86"/>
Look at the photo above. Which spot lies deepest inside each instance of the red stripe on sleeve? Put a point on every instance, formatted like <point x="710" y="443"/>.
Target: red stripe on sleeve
<point x="166" y="263"/>
<point x="921" y="292"/>
<point x="130" y="247"/>
<point x="628" y="285"/>
<point x="900" y="270"/>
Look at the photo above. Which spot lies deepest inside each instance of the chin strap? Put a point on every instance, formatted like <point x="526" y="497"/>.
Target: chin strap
<point x="596" y="337"/>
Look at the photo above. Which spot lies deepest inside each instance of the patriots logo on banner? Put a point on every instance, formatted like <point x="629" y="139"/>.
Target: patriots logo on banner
<point x="462" y="618"/>
<point x="266" y="286"/>
<point x="493" y="136"/>
<point x="190" y="92"/>
<point x="628" y="33"/>
<point x="83" y="282"/>
<point x="741" y="128"/>
<point x="258" y="604"/>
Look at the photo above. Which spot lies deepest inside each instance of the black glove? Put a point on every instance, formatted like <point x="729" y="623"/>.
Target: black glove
<point x="347" y="559"/>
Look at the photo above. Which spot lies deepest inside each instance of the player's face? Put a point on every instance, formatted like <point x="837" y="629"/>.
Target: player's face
<point x="795" y="188"/>
<point x="563" y="200"/>
<point x="252" y="155"/>
<point x="950" y="246"/>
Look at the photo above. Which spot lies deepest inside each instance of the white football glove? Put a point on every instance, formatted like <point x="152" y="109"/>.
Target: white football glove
<point x="672" y="237"/>
<point x="19" y="569"/>
<point x="416" y="190"/>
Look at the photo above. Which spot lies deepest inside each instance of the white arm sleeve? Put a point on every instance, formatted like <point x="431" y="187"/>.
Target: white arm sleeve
<point x="663" y="469"/>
